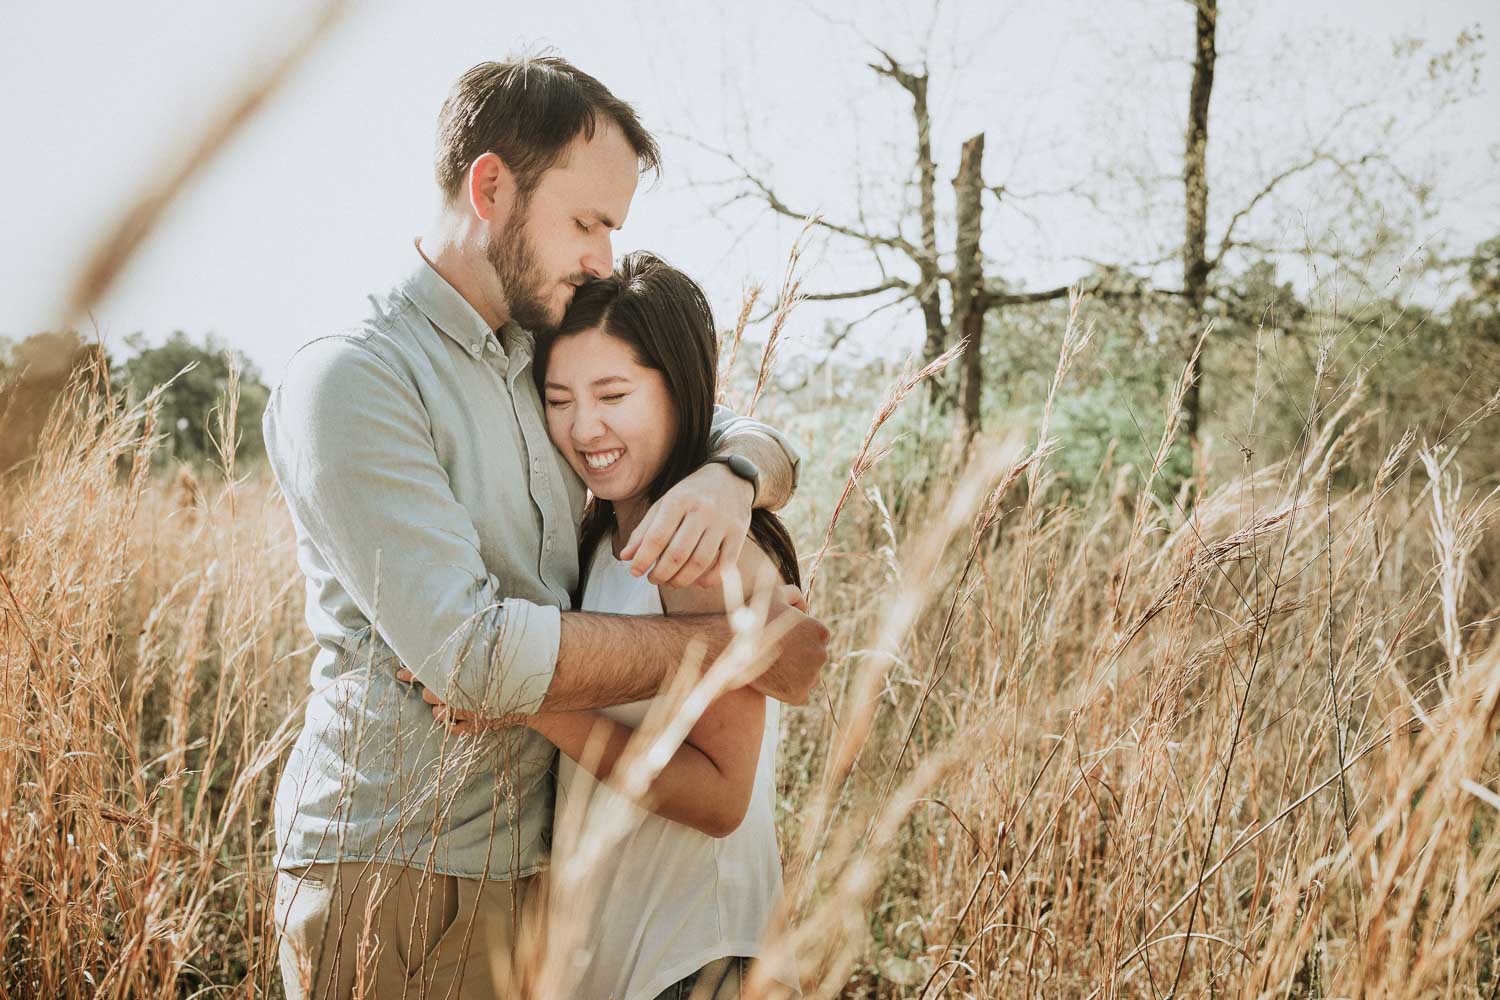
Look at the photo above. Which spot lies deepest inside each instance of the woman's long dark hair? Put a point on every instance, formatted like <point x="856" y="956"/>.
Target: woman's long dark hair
<point x="665" y="318"/>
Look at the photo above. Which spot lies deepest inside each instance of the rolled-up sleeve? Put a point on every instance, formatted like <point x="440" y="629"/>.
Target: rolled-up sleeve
<point x="351" y="446"/>
<point x="727" y="424"/>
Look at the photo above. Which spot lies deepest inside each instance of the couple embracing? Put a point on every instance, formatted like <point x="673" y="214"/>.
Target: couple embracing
<point x="515" y="505"/>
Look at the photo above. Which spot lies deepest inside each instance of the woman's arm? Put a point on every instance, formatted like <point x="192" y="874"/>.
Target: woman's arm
<point x="708" y="782"/>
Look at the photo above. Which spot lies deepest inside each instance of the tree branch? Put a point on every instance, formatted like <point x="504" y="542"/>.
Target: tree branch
<point x="774" y="202"/>
<point x="839" y="337"/>
<point x="859" y="293"/>
<point x="909" y="81"/>
<point x="1227" y="243"/>
<point x="995" y="299"/>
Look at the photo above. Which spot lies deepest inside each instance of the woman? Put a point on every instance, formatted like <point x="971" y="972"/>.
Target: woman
<point x="628" y="385"/>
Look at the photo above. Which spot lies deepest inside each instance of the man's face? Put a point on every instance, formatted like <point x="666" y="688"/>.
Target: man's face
<point x="560" y="236"/>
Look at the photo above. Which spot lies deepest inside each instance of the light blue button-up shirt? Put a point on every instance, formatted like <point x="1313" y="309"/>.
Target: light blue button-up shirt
<point x="437" y="527"/>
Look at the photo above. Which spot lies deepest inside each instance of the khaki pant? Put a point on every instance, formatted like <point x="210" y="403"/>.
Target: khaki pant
<point x="360" y="930"/>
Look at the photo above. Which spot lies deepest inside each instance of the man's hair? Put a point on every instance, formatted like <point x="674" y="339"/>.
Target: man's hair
<point x="527" y="111"/>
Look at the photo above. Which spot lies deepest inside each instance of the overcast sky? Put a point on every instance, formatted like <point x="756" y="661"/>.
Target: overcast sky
<point x="314" y="205"/>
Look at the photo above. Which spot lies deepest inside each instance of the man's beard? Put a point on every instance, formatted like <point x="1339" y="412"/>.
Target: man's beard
<point x="514" y="260"/>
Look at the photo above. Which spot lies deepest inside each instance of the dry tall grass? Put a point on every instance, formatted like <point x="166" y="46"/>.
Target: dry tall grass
<point x="1091" y="746"/>
<point x="1081" y="746"/>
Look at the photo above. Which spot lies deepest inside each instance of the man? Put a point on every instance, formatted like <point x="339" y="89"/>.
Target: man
<point x="437" y="531"/>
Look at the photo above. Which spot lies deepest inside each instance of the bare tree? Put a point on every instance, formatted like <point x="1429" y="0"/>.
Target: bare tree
<point x="955" y="275"/>
<point x="958" y="292"/>
<point x="1345" y="164"/>
<point x="1195" y="264"/>
<point x="970" y="298"/>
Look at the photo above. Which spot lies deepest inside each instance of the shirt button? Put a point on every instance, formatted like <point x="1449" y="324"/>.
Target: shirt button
<point x="489" y="345"/>
<point x="474" y="348"/>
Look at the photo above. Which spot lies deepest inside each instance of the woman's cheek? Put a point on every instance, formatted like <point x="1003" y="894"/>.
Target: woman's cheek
<point x="643" y="428"/>
<point x="557" y="431"/>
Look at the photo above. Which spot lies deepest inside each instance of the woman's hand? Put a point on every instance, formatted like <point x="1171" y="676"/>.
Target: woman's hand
<point x="455" y="720"/>
<point x="691" y="533"/>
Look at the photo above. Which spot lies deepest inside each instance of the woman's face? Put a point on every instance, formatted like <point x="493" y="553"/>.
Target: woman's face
<point x="612" y="417"/>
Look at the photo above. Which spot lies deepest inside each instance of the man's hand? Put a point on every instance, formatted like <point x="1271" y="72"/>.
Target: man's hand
<point x="801" y="653"/>
<point x="695" y="530"/>
<point x="456" y="720"/>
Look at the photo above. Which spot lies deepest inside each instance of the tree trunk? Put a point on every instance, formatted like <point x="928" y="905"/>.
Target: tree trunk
<point x="932" y="311"/>
<point x="929" y="284"/>
<point x="968" y="293"/>
<point x="1195" y="265"/>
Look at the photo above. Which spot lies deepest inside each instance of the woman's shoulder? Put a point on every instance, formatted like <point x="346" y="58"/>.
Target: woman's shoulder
<point x="609" y="586"/>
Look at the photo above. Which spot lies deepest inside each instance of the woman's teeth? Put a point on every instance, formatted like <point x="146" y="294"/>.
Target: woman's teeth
<point x="602" y="459"/>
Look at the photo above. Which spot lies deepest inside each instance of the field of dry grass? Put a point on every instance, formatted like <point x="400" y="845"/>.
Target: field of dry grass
<point x="1075" y="741"/>
<point x="1072" y="744"/>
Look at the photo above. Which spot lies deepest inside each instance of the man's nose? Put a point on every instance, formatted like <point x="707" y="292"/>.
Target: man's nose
<point x="599" y="261"/>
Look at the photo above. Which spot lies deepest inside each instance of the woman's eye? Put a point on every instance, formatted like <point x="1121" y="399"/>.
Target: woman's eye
<point x="581" y="225"/>
<point x="553" y="404"/>
<point x="613" y="397"/>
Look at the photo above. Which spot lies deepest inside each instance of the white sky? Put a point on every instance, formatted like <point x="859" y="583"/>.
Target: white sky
<point x="314" y="205"/>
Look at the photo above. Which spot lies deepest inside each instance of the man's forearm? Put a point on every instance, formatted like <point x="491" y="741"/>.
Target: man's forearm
<point x="777" y="477"/>
<point x="605" y="660"/>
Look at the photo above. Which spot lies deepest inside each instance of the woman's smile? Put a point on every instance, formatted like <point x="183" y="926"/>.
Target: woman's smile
<point x="602" y="461"/>
<point x="611" y="415"/>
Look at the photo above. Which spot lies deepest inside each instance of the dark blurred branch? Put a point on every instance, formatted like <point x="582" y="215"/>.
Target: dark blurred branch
<point x="97" y="275"/>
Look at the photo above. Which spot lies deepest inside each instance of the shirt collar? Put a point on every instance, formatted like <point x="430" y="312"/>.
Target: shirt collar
<point x="450" y="312"/>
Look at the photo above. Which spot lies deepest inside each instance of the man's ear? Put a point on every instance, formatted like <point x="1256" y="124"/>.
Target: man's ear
<point x="492" y="188"/>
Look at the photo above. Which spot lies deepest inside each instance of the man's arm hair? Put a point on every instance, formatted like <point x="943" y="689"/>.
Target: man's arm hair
<point x="605" y="660"/>
<point x="778" y="476"/>
<point x="768" y="448"/>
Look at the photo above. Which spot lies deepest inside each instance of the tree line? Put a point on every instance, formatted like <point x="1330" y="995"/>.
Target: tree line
<point x="35" y="373"/>
<point x="1358" y="152"/>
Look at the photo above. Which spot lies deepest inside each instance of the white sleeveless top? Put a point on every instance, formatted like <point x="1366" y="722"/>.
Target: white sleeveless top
<point x="670" y="899"/>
